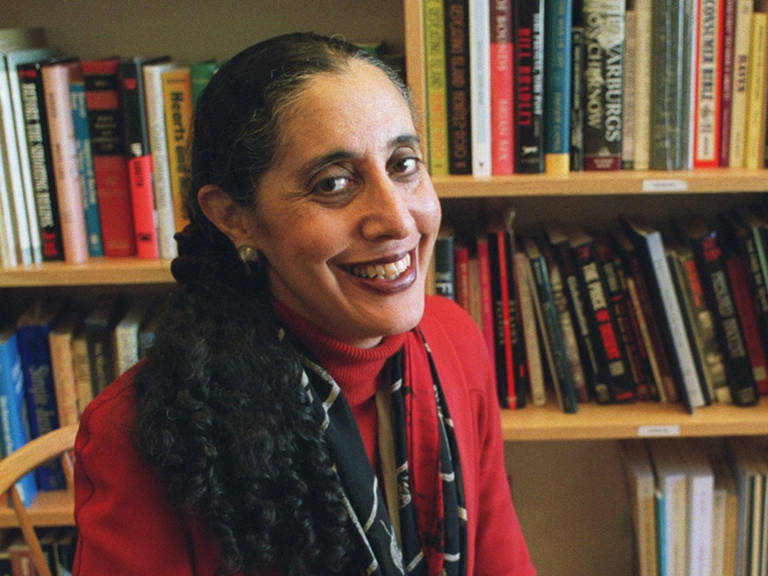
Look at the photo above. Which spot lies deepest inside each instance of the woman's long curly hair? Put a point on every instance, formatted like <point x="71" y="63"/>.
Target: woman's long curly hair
<point x="221" y="415"/>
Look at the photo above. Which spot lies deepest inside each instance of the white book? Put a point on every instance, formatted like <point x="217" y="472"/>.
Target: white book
<point x="641" y="484"/>
<point x="158" y="145"/>
<point x="125" y="337"/>
<point x="480" y="86"/>
<point x="8" y="258"/>
<point x="642" y="98"/>
<point x="701" y="486"/>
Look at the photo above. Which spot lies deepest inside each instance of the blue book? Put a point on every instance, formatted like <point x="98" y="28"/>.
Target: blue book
<point x="661" y="541"/>
<point x="14" y="428"/>
<point x="85" y="167"/>
<point x="33" y="328"/>
<point x="558" y="16"/>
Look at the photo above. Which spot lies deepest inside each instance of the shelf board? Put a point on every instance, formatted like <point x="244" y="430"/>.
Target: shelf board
<point x="94" y="272"/>
<point x="596" y="183"/>
<point x="645" y="419"/>
<point x="47" y="509"/>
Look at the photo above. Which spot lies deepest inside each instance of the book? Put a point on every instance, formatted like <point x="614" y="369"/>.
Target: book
<point x="529" y="86"/>
<point x="725" y="513"/>
<point x="641" y="487"/>
<point x="178" y="116"/>
<point x="9" y="248"/>
<point x="705" y="244"/>
<point x="737" y="140"/>
<point x="557" y="79"/>
<point x="125" y="336"/>
<point x="461" y="274"/>
<point x="641" y="134"/>
<point x="69" y="198"/>
<point x="726" y="79"/>
<point x="138" y="156"/>
<point x="480" y="86"/>
<point x="529" y="330"/>
<point x="200" y="73"/>
<point x="604" y="40"/>
<point x="628" y="92"/>
<point x="457" y="57"/>
<point x="85" y="162"/>
<point x="701" y="484"/>
<point x="105" y="124"/>
<point x="435" y="75"/>
<point x="650" y="248"/>
<point x="502" y="88"/>
<point x="81" y="367"/>
<point x="707" y="97"/>
<point x="14" y="426"/>
<point x="486" y="297"/>
<point x="41" y="162"/>
<point x="444" y="264"/>
<point x="609" y="349"/>
<point x="99" y="324"/>
<point x="158" y="144"/>
<point x="63" y="367"/>
<point x="757" y="93"/>
<point x="668" y="86"/>
<point x="502" y="297"/>
<point x="551" y="330"/>
<point x="33" y="328"/>
<point x="577" y="87"/>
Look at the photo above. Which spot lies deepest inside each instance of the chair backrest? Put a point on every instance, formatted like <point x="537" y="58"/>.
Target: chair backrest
<point x="55" y="444"/>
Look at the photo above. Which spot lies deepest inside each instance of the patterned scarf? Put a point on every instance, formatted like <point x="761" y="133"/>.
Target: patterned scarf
<point x="428" y="554"/>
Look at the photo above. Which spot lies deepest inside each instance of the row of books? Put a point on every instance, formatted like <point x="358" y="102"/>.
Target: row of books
<point x="93" y="152"/>
<point x="568" y="85"/>
<point x="620" y="315"/>
<point x="54" y="358"/>
<point x="698" y="508"/>
<point x="58" y="546"/>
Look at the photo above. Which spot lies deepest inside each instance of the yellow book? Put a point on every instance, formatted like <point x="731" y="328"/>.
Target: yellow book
<point x="737" y="140"/>
<point x="437" y="115"/>
<point x="756" y="92"/>
<point x="177" y="100"/>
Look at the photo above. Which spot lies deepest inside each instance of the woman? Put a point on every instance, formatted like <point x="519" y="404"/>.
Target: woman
<point x="304" y="409"/>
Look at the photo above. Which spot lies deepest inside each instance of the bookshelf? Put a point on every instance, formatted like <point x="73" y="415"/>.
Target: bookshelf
<point x="547" y="452"/>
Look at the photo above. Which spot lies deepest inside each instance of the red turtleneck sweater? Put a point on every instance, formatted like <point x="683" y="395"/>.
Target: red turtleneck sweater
<point x="127" y="528"/>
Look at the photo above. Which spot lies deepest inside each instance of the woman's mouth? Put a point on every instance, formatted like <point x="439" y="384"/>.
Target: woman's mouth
<point x="381" y="271"/>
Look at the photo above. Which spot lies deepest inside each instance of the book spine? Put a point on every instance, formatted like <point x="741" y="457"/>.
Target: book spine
<point x="178" y="115"/>
<point x="505" y="374"/>
<point x="85" y="164"/>
<point x="486" y="300"/>
<point x="161" y="176"/>
<point x="82" y="370"/>
<point x="139" y="158"/>
<point x="611" y="351"/>
<point x="707" y="101"/>
<point x="40" y="396"/>
<point x="480" y="86"/>
<point x="604" y="41"/>
<point x="726" y="79"/>
<point x="529" y="86"/>
<point x="754" y="151"/>
<point x="745" y="310"/>
<point x="63" y="375"/>
<point x="13" y="411"/>
<point x="528" y="328"/>
<point x="577" y="88"/>
<point x="628" y="92"/>
<point x="458" y="90"/>
<point x="502" y="93"/>
<point x="642" y="89"/>
<point x="58" y="108"/>
<point x="742" y="19"/>
<point x="709" y="259"/>
<point x="105" y="125"/>
<point x="41" y="164"/>
<point x="100" y="356"/>
<point x="461" y="275"/>
<point x="445" y="270"/>
<point x="435" y="71"/>
<point x="558" y="16"/>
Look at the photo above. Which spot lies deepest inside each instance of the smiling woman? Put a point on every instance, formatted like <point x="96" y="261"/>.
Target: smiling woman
<point x="305" y="409"/>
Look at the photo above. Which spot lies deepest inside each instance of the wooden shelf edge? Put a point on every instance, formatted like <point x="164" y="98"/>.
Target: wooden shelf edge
<point x="642" y="420"/>
<point x="48" y="509"/>
<point x="594" y="183"/>
<point x="96" y="271"/>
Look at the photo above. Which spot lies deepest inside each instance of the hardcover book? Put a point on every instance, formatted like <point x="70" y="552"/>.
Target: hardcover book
<point x="528" y="326"/>
<point x="578" y="56"/>
<point x="457" y="57"/>
<point x="557" y="80"/>
<point x="708" y="98"/>
<point x="502" y="61"/>
<point x="436" y="80"/>
<point x="63" y="367"/>
<point x="480" y="86"/>
<point x="738" y="139"/>
<point x="529" y="86"/>
<point x="178" y="115"/>
<point x="502" y="295"/>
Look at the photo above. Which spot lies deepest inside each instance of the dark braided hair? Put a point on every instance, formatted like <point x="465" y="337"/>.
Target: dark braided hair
<point x="221" y="415"/>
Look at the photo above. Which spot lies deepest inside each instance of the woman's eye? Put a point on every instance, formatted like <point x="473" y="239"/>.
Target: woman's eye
<point x="331" y="185"/>
<point x="406" y="165"/>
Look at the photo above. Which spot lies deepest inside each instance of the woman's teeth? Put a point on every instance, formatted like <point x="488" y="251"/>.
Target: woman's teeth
<point x="388" y="271"/>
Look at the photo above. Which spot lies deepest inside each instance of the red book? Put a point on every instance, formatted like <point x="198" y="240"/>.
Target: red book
<point x="707" y="103"/>
<point x="139" y="156"/>
<point x="502" y="295"/>
<point x="726" y="79"/>
<point x="486" y="303"/>
<point x="102" y="101"/>
<point x="745" y="308"/>
<point x="461" y="272"/>
<point x="502" y="97"/>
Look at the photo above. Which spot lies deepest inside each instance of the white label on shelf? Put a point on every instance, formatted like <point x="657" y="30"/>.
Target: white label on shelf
<point x="662" y="185"/>
<point x="658" y="430"/>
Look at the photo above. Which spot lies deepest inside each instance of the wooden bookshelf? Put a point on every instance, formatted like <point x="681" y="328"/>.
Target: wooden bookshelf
<point x="46" y="510"/>
<point x="640" y="420"/>
<point x="94" y="272"/>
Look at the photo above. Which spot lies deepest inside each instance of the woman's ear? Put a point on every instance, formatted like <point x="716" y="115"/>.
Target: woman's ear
<point x="230" y="218"/>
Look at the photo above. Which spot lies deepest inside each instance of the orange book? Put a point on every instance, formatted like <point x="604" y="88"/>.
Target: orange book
<point x="177" y="97"/>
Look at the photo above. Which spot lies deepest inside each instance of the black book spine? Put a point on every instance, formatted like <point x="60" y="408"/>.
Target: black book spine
<point x="457" y="86"/>
<point x="577" y="88"/>
<point x="529" y="86"/>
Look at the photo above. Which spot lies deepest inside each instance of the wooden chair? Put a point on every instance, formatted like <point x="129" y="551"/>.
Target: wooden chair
<point x="55" y="444"/>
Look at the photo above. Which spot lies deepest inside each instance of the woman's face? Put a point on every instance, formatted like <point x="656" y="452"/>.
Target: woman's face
<point x="346" y="217"/>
